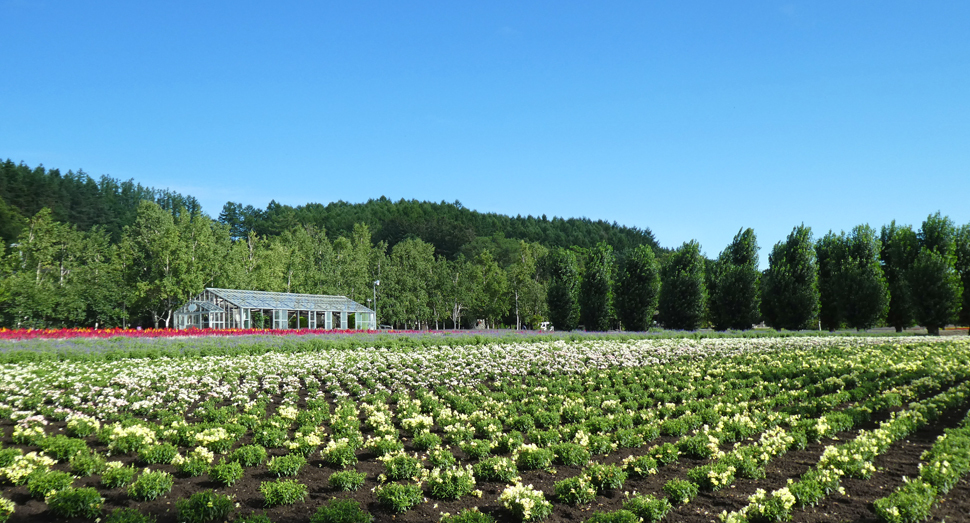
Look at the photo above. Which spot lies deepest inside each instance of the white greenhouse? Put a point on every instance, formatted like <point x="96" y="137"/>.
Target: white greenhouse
<point x="238" y="309"/>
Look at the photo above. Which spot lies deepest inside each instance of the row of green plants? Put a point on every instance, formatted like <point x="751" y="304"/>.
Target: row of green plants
<point x="558" y="404"/>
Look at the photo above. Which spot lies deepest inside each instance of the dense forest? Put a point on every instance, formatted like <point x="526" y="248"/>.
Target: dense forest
<point x="80" y="252"/>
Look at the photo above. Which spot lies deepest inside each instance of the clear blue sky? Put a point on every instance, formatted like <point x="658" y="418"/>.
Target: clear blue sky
<point x="691" y="118"/>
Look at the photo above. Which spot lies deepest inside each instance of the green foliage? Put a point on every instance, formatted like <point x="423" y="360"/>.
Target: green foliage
<point x="253" y="518"/>
<point x="151" y="484"/>
<point x="347" y="480"/>
<point x="681" y="491"/>
<point x="683" y="293"/>
<point x="340" y="455"/>
<point x="962" y="265"/>
<point x="341" y="511"/>
<point x="249" y="455"/>
<point x="617" y="516"/>
<point x="910" y="504"/>
<point x="596" y="289"/>
<point x="451" y="482"/>
<point x="401" y="466"/>
<point x="42" y="482"/>
<point x="288" y="465"/>
<point x="937" y="290"/>
<point x="649" y="508"/>
<point x="496" y="469"/>
<point x="62" y="448"/>
<point x="789" y="287"/>
<point x="426" y="441"/>
<point x="640" y="467"/>
<point x="226" y="472"/>
<point x="852" y="288"/>
<point x="73" y="502"/>
<point x="713" y="476"/>
<point x="733" y="284"/>
<point x="571" y="454"/>
<point x="128" y="515"/>
<point x="441" y="457"/>
<point x="605" y="477"/>
<point x="468" y="516"/>
<point x="531" y="457"/>
<point x="162" y="453"/>
<point x="900" y="246"/>
<point x="203" y="507"/>
<point x="665" y="453"/>
<point x="563" y="294"/>
<point x="87" y="463"/>
<point x="399" y="497"/>
<point x="116" y="477"/>
<point x="576" y="490"/>
<point x="476" y="448"/>
<point x="282" y="492"/>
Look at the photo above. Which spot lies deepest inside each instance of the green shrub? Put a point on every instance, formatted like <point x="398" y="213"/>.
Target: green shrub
<point x="664" y="454"/>
<point x="347" y="480"/>
<point x="203" y="507"/>
<point x="399" y="497"/>
<point x="249" y="455"/>
<point x="288" y="465"/>
<point x="226" y="472"/>
<point x="605" y="477"/>
<point x="476" y="448"/>
<point x="341" y="511"/>
<point x="523" y="423"/>
<point x="640" y="467"/>
<point x="441" y="457"/>
<point x="162" y="453"/>
<point x="151" y="485"/>
<point x="269" y="436"/>
<point x="7" y="508"/>
<point x="339" y="454"/>
<point x="116" y="476"/>
<point x="87" y="463"/>
<point x="507" y="443"/>
<point x="911" y="503"/>
<point x="496" y="469"/>
<point x="576" y="490"/>
<point x="42" y="482"/>
<point x="571" y="454"/>
<point x="699" y="446"/>
<point x="618" y="516"/>
<point x="531" y="457"/>
<point x="545" y="438"/>
<point x="401" y="466"/>
<point x="713" y="476"/>
<point x="600" y="444"/>
<point x="681" y="491"/>
<point x="73" y="502"/>
<point x="61" y="447"/>
<point x="253" y="518"/>
<point x="282" y="492"/>
<point x="628" y="439"/>
<point x="467" y="516"/>
<point x="426" y="441"/>
<point x="648" y="507"/>
<point x="128" y="515"/>
<point x="8" y="455"/>
<point x="451" y="482"/>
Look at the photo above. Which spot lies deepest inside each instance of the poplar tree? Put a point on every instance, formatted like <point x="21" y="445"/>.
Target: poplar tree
<point x="934" y="281"/>
<point x="596" y="289"/>
<point x="563" y="295"/>
<point x="638" y="289"/>
<point x="734" y="293"/>
<point x="789" y="292"/>
<point x="899" y="249"/>
<point x="682" y="290"/>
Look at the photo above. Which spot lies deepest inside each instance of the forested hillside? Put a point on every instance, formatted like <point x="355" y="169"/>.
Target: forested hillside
<point x="81" y="253"/>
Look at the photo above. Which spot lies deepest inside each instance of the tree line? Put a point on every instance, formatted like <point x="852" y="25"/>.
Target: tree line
<point x="158" y="251"/>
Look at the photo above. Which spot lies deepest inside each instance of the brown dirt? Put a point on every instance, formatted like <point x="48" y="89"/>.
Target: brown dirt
<point x="902" y="459"/>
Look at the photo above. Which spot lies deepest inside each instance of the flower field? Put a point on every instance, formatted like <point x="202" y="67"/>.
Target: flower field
<point x="603" y="430"/>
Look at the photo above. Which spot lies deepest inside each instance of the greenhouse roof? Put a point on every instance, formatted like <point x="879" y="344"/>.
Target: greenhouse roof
<point x="288" y="301"/>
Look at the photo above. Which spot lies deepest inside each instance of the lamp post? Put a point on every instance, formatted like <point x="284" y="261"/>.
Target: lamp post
<point x="376" y="323"/>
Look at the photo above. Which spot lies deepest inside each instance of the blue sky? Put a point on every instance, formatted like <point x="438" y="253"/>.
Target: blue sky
<point x="693" y="119"/>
